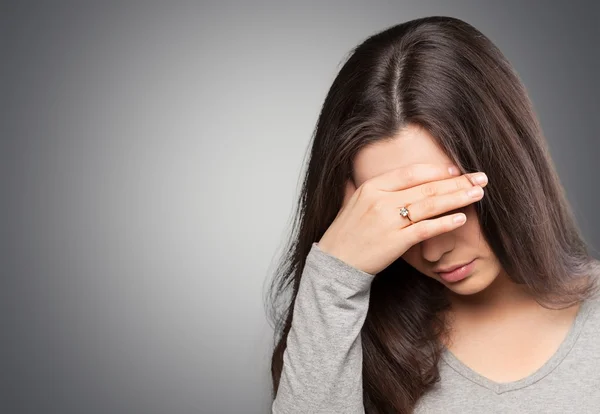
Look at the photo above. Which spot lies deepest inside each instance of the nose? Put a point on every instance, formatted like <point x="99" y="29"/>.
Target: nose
<point x="434" y="248"/>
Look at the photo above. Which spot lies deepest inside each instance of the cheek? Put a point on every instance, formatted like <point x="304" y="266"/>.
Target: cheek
<point x="471" y="233"/>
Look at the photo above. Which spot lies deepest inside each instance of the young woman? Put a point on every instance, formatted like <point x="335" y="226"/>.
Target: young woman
<point x="393" y="302"/>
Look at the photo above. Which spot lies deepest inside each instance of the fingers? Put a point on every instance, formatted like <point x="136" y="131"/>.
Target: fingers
<point x="426" y="229"/>
<point x="465" y="181"/>
<point x="433" y="207"/>
<point x="410" y="176"/>
<point x="437" y="188"/>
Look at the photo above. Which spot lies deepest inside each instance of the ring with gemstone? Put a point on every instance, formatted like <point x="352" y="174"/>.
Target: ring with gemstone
<point x="404" y="213"/>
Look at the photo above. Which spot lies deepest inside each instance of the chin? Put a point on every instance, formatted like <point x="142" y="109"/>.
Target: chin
<point x="470" y="285"/>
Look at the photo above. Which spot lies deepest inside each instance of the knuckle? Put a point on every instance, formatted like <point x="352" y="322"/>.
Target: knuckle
<point x="368" y="191"/>
<point x="371" y="200"/>
<point x="462" y="183"/>
<point x="428" y="190"/>
<point x="367" y="187"/>
<point x="377" y="205"/>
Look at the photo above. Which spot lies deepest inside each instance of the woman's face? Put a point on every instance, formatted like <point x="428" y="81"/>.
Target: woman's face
<point x="461" y="245"/>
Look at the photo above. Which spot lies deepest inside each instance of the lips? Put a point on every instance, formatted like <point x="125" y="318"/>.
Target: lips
<point x="459" y="273"/>
<point x="449" y="269"/>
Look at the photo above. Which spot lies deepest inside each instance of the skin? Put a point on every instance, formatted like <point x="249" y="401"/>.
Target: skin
<point x="498" y="328"/>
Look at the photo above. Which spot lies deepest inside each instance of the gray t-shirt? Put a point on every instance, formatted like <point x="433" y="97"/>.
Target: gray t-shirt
<point x="322" y="364"/>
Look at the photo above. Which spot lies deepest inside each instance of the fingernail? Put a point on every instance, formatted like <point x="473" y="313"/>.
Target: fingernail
<point x="480" y="178"/>
<point x="453" y="170"/>
<point x="459" y="218"/>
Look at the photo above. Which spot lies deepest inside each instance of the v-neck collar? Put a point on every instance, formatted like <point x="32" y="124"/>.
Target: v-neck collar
<point x="549" y="366"/>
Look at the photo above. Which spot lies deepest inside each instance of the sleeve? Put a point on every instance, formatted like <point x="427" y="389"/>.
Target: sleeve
<point x="322" y="362"/>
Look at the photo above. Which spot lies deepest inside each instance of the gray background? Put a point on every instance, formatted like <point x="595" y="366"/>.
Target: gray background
<point x="150" y="159"/>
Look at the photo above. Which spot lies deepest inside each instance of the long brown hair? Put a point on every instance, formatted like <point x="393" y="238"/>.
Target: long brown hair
<point x="444" y="75"/>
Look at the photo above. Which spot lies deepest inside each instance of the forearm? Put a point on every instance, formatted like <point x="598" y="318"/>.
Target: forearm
<point x="322" y="363"/>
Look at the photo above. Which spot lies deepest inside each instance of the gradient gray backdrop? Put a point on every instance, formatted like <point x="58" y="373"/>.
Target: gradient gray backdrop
<point x="150" y="158"/>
